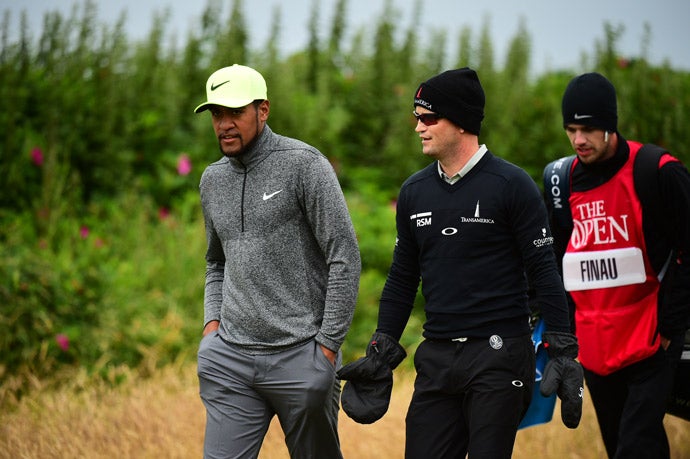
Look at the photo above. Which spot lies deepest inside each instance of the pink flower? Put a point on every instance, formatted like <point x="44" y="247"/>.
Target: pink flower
<point x="62" y="341"/>
<point x="184" y="164"/>
<point x="163" y="213"/>
<point x="84" y="232"/>
<point x="43" y="213"/>
<point x="37" y="156"/>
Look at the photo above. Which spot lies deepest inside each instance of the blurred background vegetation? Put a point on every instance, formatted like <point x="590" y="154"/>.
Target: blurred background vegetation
<point x="101" y="234"/>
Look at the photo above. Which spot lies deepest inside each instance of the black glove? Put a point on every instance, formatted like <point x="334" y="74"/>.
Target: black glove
<point x="563" y="375"/>
<point x="367" y="393"/>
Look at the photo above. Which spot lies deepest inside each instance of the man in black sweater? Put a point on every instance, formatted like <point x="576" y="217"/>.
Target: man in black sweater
<point x="473" y="229"/>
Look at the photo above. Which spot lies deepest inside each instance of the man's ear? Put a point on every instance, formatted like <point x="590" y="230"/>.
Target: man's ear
<point x="264" y="109"/>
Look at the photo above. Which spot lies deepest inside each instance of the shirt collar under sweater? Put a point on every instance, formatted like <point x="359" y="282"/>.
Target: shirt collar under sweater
<point x="468" y="167"/>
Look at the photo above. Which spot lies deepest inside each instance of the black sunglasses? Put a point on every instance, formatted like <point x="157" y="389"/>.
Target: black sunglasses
<point x="427" y="119"/>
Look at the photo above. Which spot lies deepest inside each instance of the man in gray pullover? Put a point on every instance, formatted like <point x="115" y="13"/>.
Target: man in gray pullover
<point x="282" y="274"/>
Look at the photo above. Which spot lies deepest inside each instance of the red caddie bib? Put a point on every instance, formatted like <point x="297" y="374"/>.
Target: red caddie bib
<point x="608" y="274"/>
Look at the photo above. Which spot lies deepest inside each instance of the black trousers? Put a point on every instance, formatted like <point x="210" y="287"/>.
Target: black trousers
<point x="630" y="405"/>
<point x="469" y="397"/>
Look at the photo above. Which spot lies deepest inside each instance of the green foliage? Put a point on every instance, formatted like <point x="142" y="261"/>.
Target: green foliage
<point x="49" y="292"/>
<point x="373" y="216"/>
<point x="101" y="238"/>
<point x="117" y="287"/>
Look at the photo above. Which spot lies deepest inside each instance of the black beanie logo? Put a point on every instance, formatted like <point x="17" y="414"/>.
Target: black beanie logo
<point x="421" y="102"/>
<point x="581" y="117"/>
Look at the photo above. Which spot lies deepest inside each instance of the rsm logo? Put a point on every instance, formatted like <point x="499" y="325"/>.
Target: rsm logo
<point x="422" y="219"/>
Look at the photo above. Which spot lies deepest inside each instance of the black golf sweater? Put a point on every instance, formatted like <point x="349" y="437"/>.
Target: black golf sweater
<point x="476" y="246"/>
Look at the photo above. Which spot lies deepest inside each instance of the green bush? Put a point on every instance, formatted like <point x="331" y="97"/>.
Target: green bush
<point x="121" y="286"/>
<point x="51" y="299"/>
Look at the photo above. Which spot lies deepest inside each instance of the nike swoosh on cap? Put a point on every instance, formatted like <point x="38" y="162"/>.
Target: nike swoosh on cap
<point x="216" y="86"/>
<point x="581" y="117"/>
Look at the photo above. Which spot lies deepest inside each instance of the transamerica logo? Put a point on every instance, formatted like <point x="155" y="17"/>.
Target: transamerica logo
<point x="489" y="221"/>
<point x="423" y="103"/>
<point x="419" y="101"/>
<point x="477" y="218"/>
<point x="592" y="225"/>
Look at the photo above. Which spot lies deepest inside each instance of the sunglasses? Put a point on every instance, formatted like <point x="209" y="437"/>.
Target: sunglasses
<point x="427" y="119"/>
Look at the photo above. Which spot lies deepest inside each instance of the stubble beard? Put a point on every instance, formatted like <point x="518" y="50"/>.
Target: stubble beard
<point x="243" y="148"/>
<point x="233" y="154"/>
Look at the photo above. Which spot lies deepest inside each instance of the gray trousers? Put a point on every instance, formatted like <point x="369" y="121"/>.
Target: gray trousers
<point x="242" y="392"/>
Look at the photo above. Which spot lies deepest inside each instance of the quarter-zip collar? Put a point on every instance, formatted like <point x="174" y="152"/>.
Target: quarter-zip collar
<point x="259" y="151"/>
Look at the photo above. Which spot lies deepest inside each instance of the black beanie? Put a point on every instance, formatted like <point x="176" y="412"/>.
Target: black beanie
<point x="590" y="100"/>
<point x="455" y="94"/>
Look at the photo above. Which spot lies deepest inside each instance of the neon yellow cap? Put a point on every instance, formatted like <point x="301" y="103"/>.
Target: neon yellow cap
<point x="233" y="87"/>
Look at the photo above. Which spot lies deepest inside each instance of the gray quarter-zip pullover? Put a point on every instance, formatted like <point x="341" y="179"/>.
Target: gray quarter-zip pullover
<point x="282" y="264"/>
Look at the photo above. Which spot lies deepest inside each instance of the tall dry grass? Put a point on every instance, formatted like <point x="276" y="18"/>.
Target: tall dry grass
<point x="162" y="417"/>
